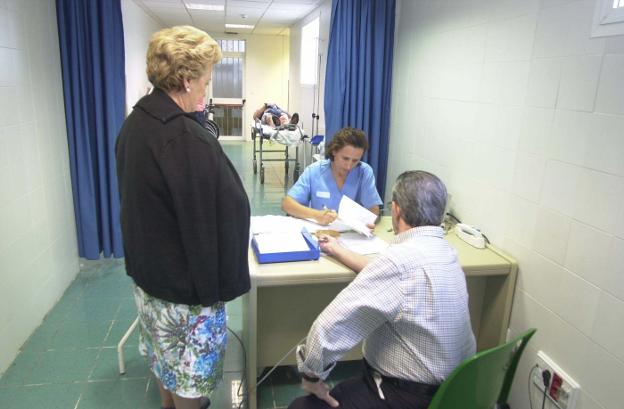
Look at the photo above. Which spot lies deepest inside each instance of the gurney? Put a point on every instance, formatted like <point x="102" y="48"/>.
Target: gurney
<point x="287" y="135"/>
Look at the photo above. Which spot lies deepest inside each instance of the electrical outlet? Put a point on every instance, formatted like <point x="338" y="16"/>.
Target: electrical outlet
<point x="562" y="391"/>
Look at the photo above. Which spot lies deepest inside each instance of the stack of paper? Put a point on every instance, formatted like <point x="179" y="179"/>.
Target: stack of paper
<point x="283" y="242"/>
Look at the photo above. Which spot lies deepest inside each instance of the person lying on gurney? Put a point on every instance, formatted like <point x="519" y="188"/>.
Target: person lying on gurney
<point x="318" y="191"/>
<point x="274" y="116"/>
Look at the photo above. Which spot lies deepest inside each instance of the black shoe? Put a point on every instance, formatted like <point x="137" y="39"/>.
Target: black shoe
<point x="294" y="119"/>
<point x="205" y="403"/>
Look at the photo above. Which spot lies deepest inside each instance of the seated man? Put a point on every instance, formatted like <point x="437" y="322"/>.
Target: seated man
<point x="409" y="306"/>
<point x="272" y="115"/>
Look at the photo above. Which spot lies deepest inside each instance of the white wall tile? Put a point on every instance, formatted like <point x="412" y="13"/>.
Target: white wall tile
<point x="588" y="253"/>
<point x="566" y="301"/>
<point x="606" y="150"/>
<point x="600" y="377"/>
<point x="535" y="130"/>
<point x="579" y="39"/>
<point x="551" y="234"/>
<point x="614" y="276"/>
<point x="572" y="133"/>
<point x="599" y="200"/>
<point x="608" y="330"/>
<point x="561" y="187"/>
<point x="551" y="32"/>
<point x="610" y="97"/>
<point x="529" y="176"/>
<point x="568" y="347"/>
<point x="544" y="82"/>
<point x="522" y="217"/>
<point x="579" y="81"/>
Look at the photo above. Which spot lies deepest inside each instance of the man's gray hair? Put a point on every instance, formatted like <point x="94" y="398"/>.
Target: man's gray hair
<point x="421" y="196"/>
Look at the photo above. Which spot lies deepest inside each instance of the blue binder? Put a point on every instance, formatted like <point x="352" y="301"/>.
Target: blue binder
<point x="312" y="254"/>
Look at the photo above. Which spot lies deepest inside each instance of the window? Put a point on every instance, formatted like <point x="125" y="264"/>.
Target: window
<point x="309" y="52"/>
<point x="608" y="18"/>
<point x="227" y="88"/>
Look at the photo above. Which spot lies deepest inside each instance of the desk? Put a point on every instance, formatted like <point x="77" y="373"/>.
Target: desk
<point x="285" y="298"/>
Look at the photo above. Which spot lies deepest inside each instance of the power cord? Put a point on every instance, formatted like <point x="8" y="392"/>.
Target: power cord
<point x="529" y="384"/>
<point x="546" y="379"/>
<point x="244" y="379"/>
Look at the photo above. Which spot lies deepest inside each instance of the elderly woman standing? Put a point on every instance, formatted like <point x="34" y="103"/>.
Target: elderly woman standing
<point x="184" y="218"/>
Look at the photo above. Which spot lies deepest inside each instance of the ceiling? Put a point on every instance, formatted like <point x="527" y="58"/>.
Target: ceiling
<point x="266" y="16"/>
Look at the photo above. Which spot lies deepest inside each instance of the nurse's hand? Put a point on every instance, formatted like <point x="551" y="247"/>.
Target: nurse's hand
<point x="326" y="216"/>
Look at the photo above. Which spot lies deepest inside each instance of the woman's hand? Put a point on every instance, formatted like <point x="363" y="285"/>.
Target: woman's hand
<point x="326" y="217"/>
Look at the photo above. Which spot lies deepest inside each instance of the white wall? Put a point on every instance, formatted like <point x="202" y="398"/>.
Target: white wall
<point x="522" y="115"/>
<point x="138" y="28"/>
<point x="38" y="250"/>
<point x="266" y="73"/>
<point x="304" y="98"/>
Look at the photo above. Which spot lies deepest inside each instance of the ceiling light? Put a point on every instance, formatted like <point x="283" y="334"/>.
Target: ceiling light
<point x="208" y="7"/>
<point x="238" y="26"/>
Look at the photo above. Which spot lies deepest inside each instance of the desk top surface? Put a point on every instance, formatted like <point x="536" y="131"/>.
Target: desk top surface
<point x="475" y="262"/>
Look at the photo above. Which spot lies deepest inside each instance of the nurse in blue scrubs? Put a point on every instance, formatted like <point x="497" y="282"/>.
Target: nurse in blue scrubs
<point x="317" y="193"/>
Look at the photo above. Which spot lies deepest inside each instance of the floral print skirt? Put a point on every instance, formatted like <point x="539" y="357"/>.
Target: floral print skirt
<point x="185" y="344"/>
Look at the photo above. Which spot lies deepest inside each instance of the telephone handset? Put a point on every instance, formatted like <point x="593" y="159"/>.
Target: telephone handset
<point x="470" y="235"/>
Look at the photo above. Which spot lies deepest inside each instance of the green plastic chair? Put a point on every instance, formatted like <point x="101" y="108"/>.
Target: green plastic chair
<point x="484" y="380"/>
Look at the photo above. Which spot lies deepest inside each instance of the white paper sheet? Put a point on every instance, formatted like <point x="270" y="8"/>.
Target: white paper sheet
<point x="282" y="242"/>
<point x="362" y="245"/>
<point x="355" y="216"/>
<point x="274" y="224"/>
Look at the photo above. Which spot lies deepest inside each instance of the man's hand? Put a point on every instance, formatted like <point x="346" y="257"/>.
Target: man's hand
<point x="320" y="390"/>
<point x="329" y="245"/>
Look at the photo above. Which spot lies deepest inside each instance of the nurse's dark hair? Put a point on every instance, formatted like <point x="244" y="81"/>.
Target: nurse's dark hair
<point x="346" y="136"/>
<point x="421" y="196"/>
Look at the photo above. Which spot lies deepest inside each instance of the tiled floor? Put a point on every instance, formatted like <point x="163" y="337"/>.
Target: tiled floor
<point x="70" y="361"/>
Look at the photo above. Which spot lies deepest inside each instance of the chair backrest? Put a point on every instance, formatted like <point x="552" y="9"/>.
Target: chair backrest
<point x="484" y="379"/>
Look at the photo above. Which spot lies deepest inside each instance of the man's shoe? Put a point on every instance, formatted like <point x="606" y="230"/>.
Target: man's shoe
<point x="205" y="403"/>
<point x="294" y="119"/>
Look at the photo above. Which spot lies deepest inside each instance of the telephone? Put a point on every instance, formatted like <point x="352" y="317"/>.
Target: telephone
<point x="470" y="235"/>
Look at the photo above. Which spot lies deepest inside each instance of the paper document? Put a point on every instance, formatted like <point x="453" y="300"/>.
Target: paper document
<point x="355" y="216"/>
<point x="312" y="226"/>
<point x="362" y="245"/>
<point x="274" y="224"/>
<point x="283" y="242"/>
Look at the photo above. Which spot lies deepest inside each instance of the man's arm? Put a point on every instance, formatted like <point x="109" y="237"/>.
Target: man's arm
<point x="354" y="261"/>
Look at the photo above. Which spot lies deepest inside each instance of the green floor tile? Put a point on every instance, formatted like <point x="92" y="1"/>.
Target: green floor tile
<point x="80" y="334"/>
<point x="107" y="367"/>
<point x="118" y="394"/>
<point x="21" y="369"/>
<point x="41" y="396"/>
<point x="94" y="309"/>
<point x="264" y="397"/>
<point x="63" y="366"/>
<point x="127" y="309"/>
<point x="42" y="338"/>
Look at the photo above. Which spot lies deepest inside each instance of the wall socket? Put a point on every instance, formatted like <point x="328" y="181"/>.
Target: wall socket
<point x="562" y="391"/>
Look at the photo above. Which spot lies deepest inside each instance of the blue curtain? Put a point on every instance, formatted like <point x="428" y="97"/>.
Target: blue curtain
<point x="359" y="75"/>
<point x="92" y="57"/>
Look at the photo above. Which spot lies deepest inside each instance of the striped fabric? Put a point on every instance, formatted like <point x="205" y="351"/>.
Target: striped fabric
<point x="410" y="305"/>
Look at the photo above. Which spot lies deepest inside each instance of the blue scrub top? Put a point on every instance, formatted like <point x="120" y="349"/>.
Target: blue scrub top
<point x="316" y="188"/>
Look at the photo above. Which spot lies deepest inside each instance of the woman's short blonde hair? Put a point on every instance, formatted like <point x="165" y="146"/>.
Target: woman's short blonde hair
<point x="178" y="53"/>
